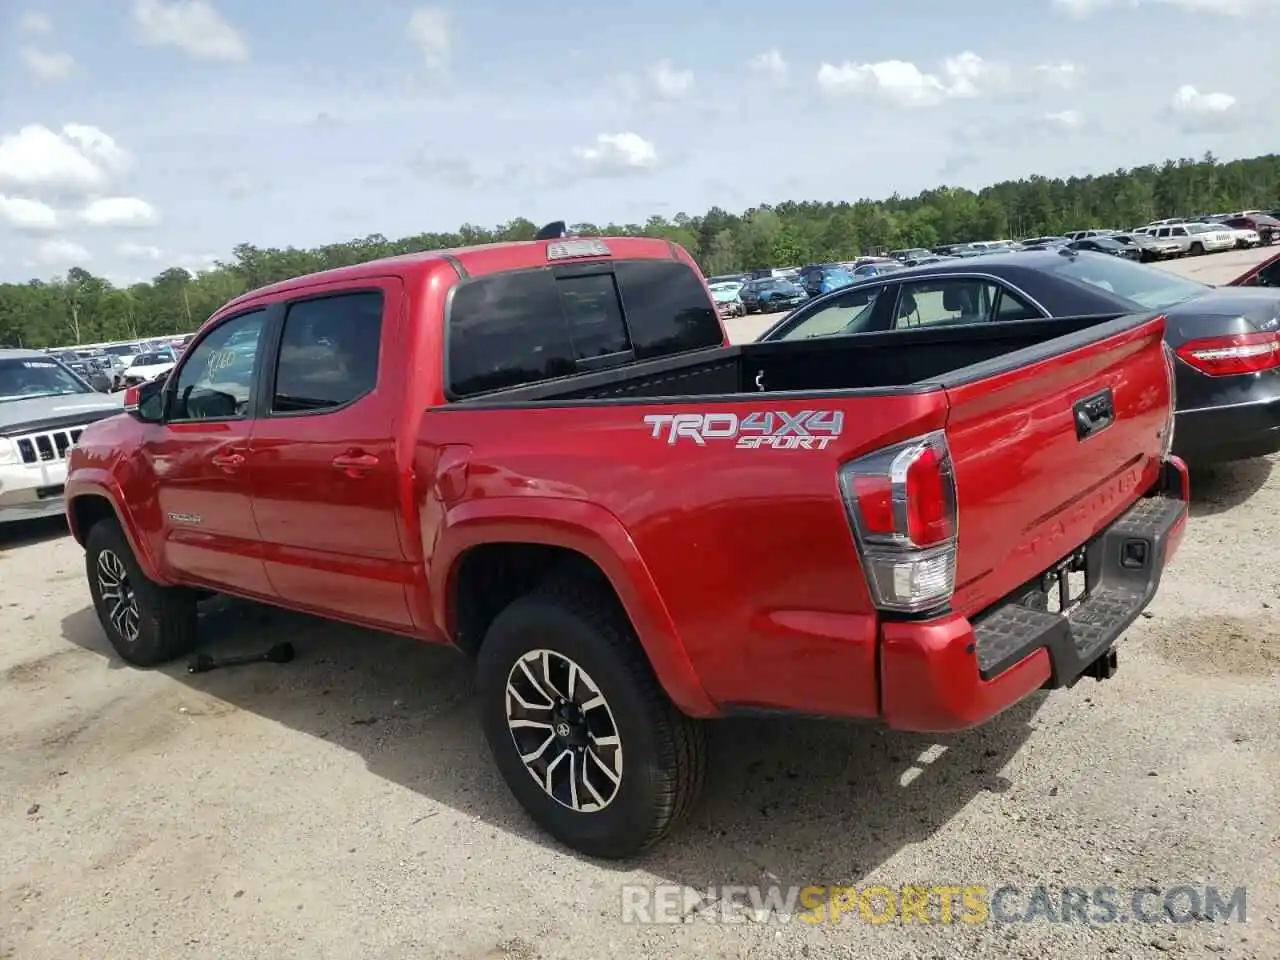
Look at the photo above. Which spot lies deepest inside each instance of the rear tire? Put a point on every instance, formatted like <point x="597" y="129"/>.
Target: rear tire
<point x="623" y="771"/>
<point x="147" y="624"/>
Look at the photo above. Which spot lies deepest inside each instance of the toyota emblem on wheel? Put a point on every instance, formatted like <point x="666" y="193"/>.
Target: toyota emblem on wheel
<point x="564" y="730"/>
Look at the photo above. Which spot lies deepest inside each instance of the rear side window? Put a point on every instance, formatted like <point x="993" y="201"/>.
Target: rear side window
<point x="329" y="352"/>
<point x="512" y="329"/>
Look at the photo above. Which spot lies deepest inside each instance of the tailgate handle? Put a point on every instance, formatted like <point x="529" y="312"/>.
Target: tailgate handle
<point x="1094" y="413"/>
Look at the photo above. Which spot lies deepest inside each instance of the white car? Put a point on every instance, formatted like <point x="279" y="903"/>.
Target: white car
<point x="43" y="408"/>
<point x="147" y="366"/>
<point x="1244" y="237"/>
<point x="1194" y="238"/>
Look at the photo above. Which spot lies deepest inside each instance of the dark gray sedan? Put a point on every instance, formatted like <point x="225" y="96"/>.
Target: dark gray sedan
<point x="1225" y="341"/>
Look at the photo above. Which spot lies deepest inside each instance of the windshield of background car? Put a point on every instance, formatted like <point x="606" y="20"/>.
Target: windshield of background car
<point x="1145" y="286"/>
<point x="24" y="378"/>
<point x="843" y="314"/>
<point x="151" y="359"/>
<point x="725" y="291"/>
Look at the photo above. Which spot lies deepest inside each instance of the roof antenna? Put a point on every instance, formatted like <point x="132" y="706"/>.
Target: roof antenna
<point x="553" y="231"/>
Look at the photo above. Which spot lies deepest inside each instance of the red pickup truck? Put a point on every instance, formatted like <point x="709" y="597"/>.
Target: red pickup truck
<point x="547" y="454"/>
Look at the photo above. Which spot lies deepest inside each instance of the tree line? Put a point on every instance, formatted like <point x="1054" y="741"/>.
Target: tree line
<point x="83" y="308"/>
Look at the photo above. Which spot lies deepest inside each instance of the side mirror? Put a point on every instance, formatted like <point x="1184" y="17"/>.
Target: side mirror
<point x="145" y="402"/>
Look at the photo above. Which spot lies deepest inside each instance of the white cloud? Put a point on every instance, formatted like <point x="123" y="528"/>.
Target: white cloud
<point x="195" y="263"/>
<point x="120" y="212"/>
<point x="27" y="215"/>
<point x="139" y="251"/>
<point x="193" y="26"/>
<point x="48" y="66"/>
<point x="429" y="31"/>
<point x="78" y="160"/>
<point x="1063" y="75"/>
<point x="1202" y="112"/>
<point x="59" y="253"/>
<point x="97" y="146"/>
<point x="1065" y="118"/>
<point x="771" y="63"/>
<point x="970" y="75"/>
<point x="618" y="154"/>
<point x="670" y="83"/>
<point x="35" y="24"/>
<point x="1080" y="9"/>
<point x="1230" y="8"/>
<point x="1190" y="100"/>
<point x="904" y="84"/>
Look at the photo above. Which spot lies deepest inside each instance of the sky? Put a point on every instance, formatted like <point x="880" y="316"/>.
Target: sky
<point x="136" y="135"/>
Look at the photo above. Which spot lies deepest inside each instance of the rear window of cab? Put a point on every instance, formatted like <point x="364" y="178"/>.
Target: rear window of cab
<point x="512" y="329"/>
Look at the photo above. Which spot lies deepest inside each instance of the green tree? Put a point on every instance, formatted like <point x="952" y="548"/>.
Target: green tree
<point x="80" y="307"/>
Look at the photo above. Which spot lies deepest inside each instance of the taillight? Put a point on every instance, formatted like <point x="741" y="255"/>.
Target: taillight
<point x="132" y="398"/>
<point x="1233" y="355"/>
<point x="1171" y="422"/>
<point x="901" y="502"/>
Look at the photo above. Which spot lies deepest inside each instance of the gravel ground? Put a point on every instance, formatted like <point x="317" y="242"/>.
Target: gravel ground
<point x="344" y="806"/>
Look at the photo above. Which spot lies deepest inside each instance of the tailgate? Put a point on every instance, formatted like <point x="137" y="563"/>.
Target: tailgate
<point x="1050" y="444"/>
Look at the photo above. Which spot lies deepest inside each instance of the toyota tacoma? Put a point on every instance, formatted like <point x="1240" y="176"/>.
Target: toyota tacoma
<point x="547" y="455"/>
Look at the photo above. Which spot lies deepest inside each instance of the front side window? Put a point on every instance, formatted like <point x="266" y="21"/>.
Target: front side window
<point x="216" y="381"/>
<point x="945" y="301"/>
<point x="328" y="352"/>
<point x="848" y="313"/>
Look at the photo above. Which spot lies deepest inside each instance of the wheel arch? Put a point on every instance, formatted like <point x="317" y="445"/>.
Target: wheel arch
<point x="495" y="550"/>
<point x="90" y="505"/>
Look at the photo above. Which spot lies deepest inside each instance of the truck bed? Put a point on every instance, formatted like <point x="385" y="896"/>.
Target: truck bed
<point x="900" y="361"/>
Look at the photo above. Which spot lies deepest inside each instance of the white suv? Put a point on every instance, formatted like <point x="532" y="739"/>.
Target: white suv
<point x="1244" y="237"/>
<point x="43" y="408"/>
<point x="1194" y="238"/>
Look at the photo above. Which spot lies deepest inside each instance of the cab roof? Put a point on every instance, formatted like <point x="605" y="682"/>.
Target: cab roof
<point x="477" y="260"/>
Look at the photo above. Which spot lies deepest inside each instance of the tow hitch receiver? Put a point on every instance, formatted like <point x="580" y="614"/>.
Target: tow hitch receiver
<point x="1105" y="667"/>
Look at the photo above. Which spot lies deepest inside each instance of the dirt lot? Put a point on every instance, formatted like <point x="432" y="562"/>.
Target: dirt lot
<point x="344" y="806"/>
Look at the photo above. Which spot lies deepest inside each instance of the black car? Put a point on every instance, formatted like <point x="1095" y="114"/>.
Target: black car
<point x="1225" y="341"/>
<point x="1112" y="248"/>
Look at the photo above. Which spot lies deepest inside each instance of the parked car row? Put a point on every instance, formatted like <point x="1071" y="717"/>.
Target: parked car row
<point x="114" y="366"/>
<point x="1159" y="240"/>
<point x="1224" y="342"/>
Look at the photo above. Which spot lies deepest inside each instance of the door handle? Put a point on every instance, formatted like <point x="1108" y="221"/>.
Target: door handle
<point x="354" y="464"/>
<point x="228" y="461"/>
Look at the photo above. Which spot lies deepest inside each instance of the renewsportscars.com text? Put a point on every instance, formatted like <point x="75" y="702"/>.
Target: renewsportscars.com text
<point x="937" y="904"/>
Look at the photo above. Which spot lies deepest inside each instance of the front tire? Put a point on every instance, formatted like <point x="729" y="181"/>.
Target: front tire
<point x="1197" y="249"/>
<point x="580" y="728"/>
<point x="147" y="624"/>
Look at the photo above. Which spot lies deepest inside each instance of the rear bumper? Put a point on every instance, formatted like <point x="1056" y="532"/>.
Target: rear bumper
<point x="1222" y="434"/>
<point x="954" y="673"/>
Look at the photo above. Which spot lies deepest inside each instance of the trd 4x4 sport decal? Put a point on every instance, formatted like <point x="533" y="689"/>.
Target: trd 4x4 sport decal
<point x="775" y="429"/>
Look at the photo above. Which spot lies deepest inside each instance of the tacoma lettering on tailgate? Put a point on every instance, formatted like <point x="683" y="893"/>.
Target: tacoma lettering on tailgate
<point x="773" y="429"/>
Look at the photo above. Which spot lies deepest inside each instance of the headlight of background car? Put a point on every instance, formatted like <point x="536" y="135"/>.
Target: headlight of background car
<point x="8" y="452"/>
